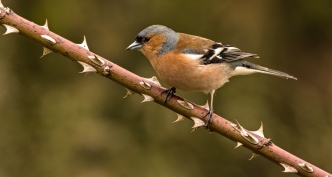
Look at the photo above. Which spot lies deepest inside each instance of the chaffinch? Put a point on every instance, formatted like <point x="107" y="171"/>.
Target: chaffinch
<point x="193" y="63"/>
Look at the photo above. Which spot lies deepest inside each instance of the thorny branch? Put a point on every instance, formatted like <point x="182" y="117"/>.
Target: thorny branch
<point x="150" y="89"/>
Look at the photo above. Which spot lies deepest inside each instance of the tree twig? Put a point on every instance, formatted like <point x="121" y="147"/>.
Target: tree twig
<point x="151" y="90"/>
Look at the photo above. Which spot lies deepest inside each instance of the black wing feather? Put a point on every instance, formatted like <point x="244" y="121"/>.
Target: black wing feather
<point x="219" y="53"/>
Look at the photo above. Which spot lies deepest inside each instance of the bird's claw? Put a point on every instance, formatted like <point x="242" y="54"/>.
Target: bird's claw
<point x="208" y="122"/>
<point x="169" y="93"/>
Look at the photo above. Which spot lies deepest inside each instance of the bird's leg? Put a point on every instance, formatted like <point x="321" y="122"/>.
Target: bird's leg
<point x="170" y="92"/>
<point x="210" y="112"/>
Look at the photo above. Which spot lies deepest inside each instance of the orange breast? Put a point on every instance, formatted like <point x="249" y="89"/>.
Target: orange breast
<point x="189" y="75"/>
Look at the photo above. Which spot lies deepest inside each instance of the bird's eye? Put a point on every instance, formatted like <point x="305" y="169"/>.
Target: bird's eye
<point x="146" y="39"/>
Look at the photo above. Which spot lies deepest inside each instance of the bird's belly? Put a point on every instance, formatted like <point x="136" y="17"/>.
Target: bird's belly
<point x="203" y="79"/>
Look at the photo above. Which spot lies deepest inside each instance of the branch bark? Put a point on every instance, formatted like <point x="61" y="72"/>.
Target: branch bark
<point x="151" y="90"/>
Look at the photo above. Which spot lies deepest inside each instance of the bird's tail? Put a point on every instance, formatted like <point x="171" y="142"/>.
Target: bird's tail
<point x="242" y="67"/>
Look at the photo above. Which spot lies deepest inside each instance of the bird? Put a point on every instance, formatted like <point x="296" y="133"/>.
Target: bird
<point x="193" y="63"/>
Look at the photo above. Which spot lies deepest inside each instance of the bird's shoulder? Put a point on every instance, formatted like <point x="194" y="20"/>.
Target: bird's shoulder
<point x="191" y="44"/>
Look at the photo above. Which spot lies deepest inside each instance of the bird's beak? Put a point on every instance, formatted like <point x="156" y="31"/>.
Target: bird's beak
<point x="134" y="45"/>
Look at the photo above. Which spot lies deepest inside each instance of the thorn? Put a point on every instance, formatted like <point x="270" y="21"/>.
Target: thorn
<point x="254" y="155"/>
<point x="251" y="139"/>
<point x="48" y="39"/>
<point x="197" y="122"/>
<point x="185" y="104"/>
<point x="147" y="98"/>
<point x="84" y="44"/>
<point x="259" y="132"/>
<point x="238" y="144"/>
<point x="154" y="79"/>
<point x="99" y="61"/>
<point x="239" y="128"/>
<point x="145" y="85"/>
<point x="288" y="168"/>
<point x="306" y="167"/>
<point x="206" y="105"/>
<point x="129" y="93"/>
<point x="8" y="10"/>
<point x="91" y="57"/>
<point x="87" y="68"/>
<point x="96" y="60"/>
<point x="10" y="29"/>
<point x="45" y="52"/>
<point x="46" y="25"/>
<point x="179" y="118"/>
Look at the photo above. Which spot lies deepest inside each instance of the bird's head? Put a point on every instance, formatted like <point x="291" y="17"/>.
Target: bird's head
<point x="155" y="40"/>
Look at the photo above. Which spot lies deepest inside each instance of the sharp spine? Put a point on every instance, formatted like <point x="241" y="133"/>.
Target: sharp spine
<point x="185" y="104"/>
<point x="48" y="39"/>
<point x="306" y="167"/>
<point x="129" y="93"/>
<point x="154" y="79"/>
<point x="84" y="44"/>
<point x="250" y="138"/>
<point x="10" y="29"/>
<point x="288" y="168"/>
<point x="179" y="118"/>
<point x="45" y="26"/>
<point x="254" y="155"/>
<point x="87" y="68"/>
<point x="45" y="52"/>
<point x="145" y="85"/>
<point x="96" y="60"/>
<point x="259" y="132"/>
<point x="197" y="122"/>
<point x="147" y="98"/>
<point x="238" y="144"/>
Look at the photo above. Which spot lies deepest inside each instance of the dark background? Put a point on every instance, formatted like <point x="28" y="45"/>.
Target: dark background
<point x="55" y="122"/>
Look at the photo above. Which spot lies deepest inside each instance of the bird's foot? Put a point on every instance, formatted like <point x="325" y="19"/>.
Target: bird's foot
<point x="208" y="122"/>
<point x="169" y="93"/>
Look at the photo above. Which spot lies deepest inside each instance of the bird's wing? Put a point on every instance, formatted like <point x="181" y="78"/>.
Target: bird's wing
<point x="219" y="53"/>
<point x="208" y="51"/>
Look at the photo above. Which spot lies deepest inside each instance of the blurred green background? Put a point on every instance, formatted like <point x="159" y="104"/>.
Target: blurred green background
<point x="55" y="122"/>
